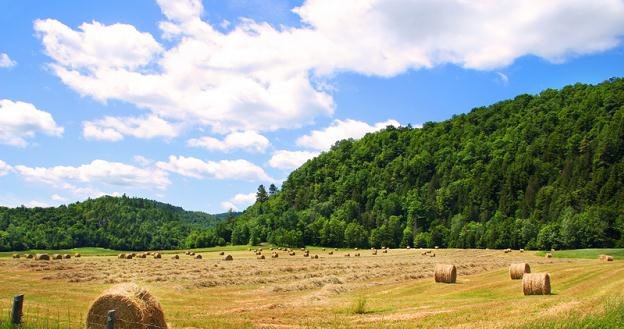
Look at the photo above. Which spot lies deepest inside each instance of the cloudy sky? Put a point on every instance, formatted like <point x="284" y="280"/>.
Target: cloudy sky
<point x="196" y="103"/>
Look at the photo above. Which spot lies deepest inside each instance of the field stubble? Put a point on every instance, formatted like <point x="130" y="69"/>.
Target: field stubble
<point x="297" y="291"/>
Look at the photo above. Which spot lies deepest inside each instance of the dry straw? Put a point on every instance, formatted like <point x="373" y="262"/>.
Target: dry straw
<point x="134" y="307"/>
<point x="57" y="256"/>
<point x="77" y="255"/>
<point x="67" y="256"/>
<point x="516" y="271"/>
<point x="536" y="284"/>
<point x="198" y="256"/>
<point x="261" y="257"/>
<point x="175" y="257"/>
<point x="42" y="257"/>
<point x="445" y="273"/>
<point x="228" y="257"/>
<point x="606" y="258"/>
<point x="548" y="255"/>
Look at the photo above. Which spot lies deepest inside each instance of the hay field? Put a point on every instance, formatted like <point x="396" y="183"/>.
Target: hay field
<point x="388" y="290"/>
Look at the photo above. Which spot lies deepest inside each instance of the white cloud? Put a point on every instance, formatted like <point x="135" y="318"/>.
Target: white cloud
<point x="224" y="169"/>
<point x="503" y="77"/>
<point x="257" y="77"/>
<point x="20" y="121"/>
<point x="115" y="128"/>
<point x="239" y="201"/>
<point x="6" y="61"/>
<point x="5" y="168"/>
<point x="142" y="160"/>
<point x="340" y="129"/>
<point x="249" y="141"/>
<point x="36" y="204"/>
<point x="287" y="160"/>
<point x="58" y="198"/>
<point x="96" y="172"/>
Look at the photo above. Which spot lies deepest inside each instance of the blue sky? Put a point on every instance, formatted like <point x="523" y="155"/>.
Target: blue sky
<point x="197" y="103"/>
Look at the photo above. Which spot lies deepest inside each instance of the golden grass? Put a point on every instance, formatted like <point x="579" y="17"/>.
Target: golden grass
<point x="297" y="292"/>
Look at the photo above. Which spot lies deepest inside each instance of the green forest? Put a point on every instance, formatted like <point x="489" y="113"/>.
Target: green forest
<point x="120" y="223"/>
<point x="539" y="172"/>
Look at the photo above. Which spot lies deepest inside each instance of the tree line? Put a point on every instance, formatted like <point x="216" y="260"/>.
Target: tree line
<point x="538" y="171"/>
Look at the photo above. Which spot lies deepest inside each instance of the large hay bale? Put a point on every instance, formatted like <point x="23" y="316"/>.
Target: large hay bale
<point x="42" y="257"/>
<point x="175" y="257"/>
<point x="536" y="284"/>
<point x="521" y="250"/>
<point x="385" y="251"/>
<point x="274" y="255"/>
<point x="221" y="253"/>
<point x="30" y="256"/>
<point x="516" y="271"/>
<point x="357" y="254"/>
<point x="16" y="256"/>
<point x="606" y="258"/>
<point x="157" y="255"/>
<point x="374" y="252"/>
<point x="228" y="258"/>
<point x="331" y="252"/>
<point x="77" y="255"/>
<point x="347" y="255"/>
<point x="130" y="256"/>
<point x="548" y="255"/>
<point x="134" y="307"/>
<point x="67" y="256"/>
<point x="121" y="256"/>
<point x="315" y="256"/>
<point x="198" y="256"/>
<point x="57" y="256"/>
<point x="260" y="257"/>
<point x="445" y="273"/>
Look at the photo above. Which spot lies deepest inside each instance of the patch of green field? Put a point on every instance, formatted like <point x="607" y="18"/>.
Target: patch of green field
<point x="611" y="318"/>
<point x="586" y="253"/>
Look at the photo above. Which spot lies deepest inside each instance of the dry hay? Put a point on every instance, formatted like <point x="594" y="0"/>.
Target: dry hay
<point x="175" y="257"/>
<point x="507" y="250"/>
<point x="521" y="250"/>
<point x="436" y="247"/>
<point x="130" y="256"/>
<point x="228" y="257"/>
<point x="259" y="257"/>
<point x="536" y="284"/>
<point x="432" y="254"/>
<point x="323" y="249"/>
<point x="315" y="257"/>
<point x="77" y="255"/>
<point x="57" y="256"/>
<point x="357" y="254"/>
<point x="67" y="256"/>
<point x="374" y="252"/>
<point x="121" y="256"/>
<point x="516" y="271"/>
<point x="291" y="253"/>
<point x="198" y="256"/>
<point x="157" y="255"/>
<point x="42" y="257"/>
<point x="606" y="258"/>
<point x="16" y="256"/>
<point x="142" y="255"/>
<point x="331" y="252"/>
<point x="221" y="253"/>
<point x="30" y="256"/>
<point x="274" y="255"/>
<point x="385" y="251"/>
<point x="347" y="255"/>
<point x="134" y="307"/>
<point x="445" y="273"/>
<point x="548" y="255"/>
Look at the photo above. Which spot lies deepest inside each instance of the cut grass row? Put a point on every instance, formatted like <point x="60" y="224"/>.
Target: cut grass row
<point x="617" y="253"/>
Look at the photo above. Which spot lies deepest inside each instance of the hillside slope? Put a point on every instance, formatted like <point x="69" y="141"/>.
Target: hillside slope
<point x="537" y="171"/>
<point x="121" y="223"/>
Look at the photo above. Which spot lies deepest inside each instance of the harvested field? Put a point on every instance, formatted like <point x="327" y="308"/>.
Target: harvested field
<point x="300" y="292"/>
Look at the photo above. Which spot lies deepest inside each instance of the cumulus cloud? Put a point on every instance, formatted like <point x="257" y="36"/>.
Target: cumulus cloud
<point x="239" y="201"/>
<point x="5" y="168"/>
<point x="96" y="172"/>
<point x="340" y="129"/>
<point x="115" y="128"/>
<point x="20" y="121"/>
<point x="224" y="169"/>
<point x="6" y="61"/>
<point x="249" y="141"/>
<point x="57" y="198"/>
<point x="288" y="160"/>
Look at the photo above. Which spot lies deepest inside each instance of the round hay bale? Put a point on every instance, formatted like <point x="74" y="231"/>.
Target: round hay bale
<point x="521" y="250"/>
<point x="305" y="254"/>
<point x="198" y="256"/>
<point x="356" y="248"/>
<point x="274" y="255"/>
<point x="385" y="251"/>
<point x="609" y="258"/>
<point x="315" y="257"/>
<point x="408" y="247"/>
<point x="516" y="271"/>
<point x="445" y="273"/>
<point x="347" y="255"/>
<point x="134" y="307"/>
<point x="292" y="253"/>
<point x="261" y="257"/>
<point x="357" y="254"/>
<point x="432" y="254"/>
<point x="221" y="253"/>
<point x="157" y="255"/>
<point x="42" y="257"/>
<point x="16" y="256"/>
<point x="77" y="255"/>
<point x="57" y="256"/>
<point x="228" y="258"/>
<point x="548" y="255"/>
<point x="141" y="256"/>
<point x="192" y="253"/>
<point x="374" y="252"/>
<point x="121" y="256"/>
<point x="130" y="256"/>
<point x="536" y="284"/>
<point x="30" y="256"/>
<point x="134" y="254"/>
<point x="175" y="257"/>
<point x="331" y="252"/>
<point x="436" y="247"/>
<point x="323" y="249"/>
<point x="67" y="256"/>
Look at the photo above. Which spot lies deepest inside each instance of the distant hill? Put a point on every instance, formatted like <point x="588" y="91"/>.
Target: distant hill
<point x="538" y="171"/>
<point x="111" y="222"/>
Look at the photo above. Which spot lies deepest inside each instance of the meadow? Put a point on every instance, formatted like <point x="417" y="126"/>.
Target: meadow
<point x="388" y="290"/>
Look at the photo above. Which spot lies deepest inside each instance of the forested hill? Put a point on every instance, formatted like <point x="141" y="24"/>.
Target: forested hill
<point x="538" y="171"/>
<point x="112" y="222"/>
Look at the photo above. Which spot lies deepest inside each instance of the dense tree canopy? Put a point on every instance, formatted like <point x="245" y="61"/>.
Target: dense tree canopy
<point x="111" y="222"/>
<point x="543" y="171"/>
